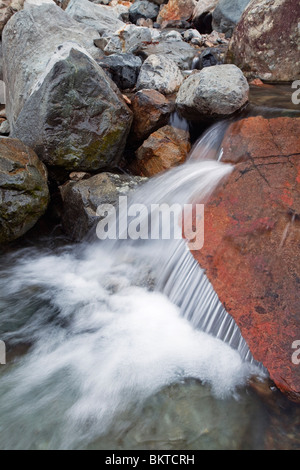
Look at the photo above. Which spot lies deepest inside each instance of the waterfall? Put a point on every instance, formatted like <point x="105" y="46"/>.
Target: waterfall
<point x="107" y="325"/>
<point x="180" y="277"/>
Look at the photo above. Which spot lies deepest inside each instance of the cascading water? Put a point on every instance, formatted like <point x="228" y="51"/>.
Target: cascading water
<point x="110" y="324"/>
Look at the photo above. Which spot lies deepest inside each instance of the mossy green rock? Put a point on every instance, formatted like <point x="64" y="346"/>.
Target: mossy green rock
<point x="24" y="193"/>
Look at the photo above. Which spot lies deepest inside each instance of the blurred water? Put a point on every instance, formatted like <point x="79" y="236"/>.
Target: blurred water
<point x="106" y="350"/>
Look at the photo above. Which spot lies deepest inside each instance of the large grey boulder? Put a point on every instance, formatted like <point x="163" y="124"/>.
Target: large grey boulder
<point x="227" y="15"/>
<point x="100" y="17"/>
<point x="81" y="200"/>
<point x="265" y="43"/>
<point x="60" y="102"/>
<point x="32" y="37"/>
<point x="24" y="193"/>
<point x="161" y="74"/>
<point x="214" y="92"/>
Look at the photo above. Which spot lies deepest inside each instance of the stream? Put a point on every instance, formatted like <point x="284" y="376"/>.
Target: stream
<point x="113" y="345"/>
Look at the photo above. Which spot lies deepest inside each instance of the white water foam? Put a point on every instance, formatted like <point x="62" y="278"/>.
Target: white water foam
<point x="104" y="339"/>
<point x="112" y="345"/>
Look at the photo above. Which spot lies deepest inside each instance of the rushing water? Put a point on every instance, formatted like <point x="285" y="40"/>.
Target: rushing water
<point x="124" y="345"/>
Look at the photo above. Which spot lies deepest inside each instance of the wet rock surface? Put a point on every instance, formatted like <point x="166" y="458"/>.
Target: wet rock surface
<point x="252" y="236"/>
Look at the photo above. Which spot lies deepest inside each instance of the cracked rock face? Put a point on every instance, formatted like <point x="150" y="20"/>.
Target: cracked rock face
<point x="252" y="240"/>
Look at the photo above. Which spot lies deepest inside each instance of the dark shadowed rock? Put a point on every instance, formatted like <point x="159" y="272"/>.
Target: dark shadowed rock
<point x="266" y="41"/>
<point x="123" y="69"/>
<point x="75" y="120"/>
<point x="24" y="194"/>
<point x="81" y="200"/>
<point x="209" y="57"/>
<point x="252" y="237"/>
<point x="202" y="15"/>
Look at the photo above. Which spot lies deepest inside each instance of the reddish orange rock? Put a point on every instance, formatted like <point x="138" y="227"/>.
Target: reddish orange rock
<point x="151" y="111"/>
<point x="166" y="148"/>
<point x="258" y="82"/>
<point x="177" y="10"/>
<point x="252" y="242"/>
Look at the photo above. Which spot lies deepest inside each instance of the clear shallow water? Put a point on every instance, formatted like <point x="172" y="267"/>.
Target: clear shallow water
<point x="276" y="97"/>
